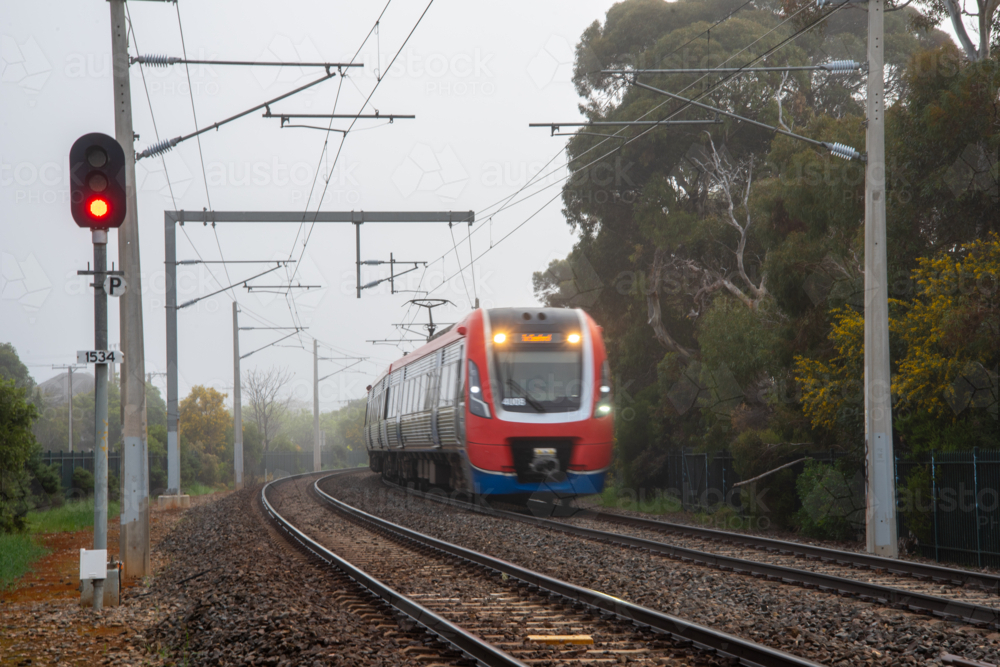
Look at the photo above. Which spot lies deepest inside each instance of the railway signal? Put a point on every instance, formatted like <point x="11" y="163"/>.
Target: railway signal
<point x="97" y="182"/>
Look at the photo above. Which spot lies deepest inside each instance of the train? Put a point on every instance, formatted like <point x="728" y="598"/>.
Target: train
<point x="508" y="402"/>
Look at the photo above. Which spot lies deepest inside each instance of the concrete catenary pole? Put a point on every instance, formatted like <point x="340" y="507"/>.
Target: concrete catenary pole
<point x="170" y="302"/>
<point x="237" y="404"/>
<point x="881" y="491"/>
<point x="316" y="457"/>
<point x="134" y="536"/>
<point x="100" y="406"/>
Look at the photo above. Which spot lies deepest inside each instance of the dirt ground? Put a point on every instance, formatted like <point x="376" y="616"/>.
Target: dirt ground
<point x="42" y="622"/>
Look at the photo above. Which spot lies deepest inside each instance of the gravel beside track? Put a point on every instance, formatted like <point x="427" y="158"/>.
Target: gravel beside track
<point x="236" y="593"/>
<point x="813" y="624"/>
<point x="974" y="595"/>
<point x="486" y="604"/>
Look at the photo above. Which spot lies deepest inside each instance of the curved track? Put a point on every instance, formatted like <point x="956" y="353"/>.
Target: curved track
<point x="970" y="597"/>
<point x="492" y="610"/>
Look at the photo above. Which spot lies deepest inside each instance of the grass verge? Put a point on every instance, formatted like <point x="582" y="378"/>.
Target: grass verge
<point x="198" y="489"/>
<point x="649" y="501"/>
<point x="76" y="515"/>
<point x="17" y="553"/>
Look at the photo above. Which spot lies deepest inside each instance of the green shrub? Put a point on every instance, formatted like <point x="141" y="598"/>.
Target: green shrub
<point x="83" y="481"/>
<point x="916" y="504"/>
<point x="833" y="501"/>
<point x="114" y="487"/>
<point x="46" y="477"/>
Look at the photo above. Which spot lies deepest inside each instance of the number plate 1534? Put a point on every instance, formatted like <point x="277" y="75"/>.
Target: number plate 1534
<point x="100" y="357"/>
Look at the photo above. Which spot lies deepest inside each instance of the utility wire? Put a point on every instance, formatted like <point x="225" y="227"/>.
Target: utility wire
<point x="149" y="102"/>
<point x="260" y="319"/>
<point x="351" y="126"/>
<point x="324" y="153"/>
<point x="201" y="155"/>
<point x="459" y="260"/>
<point x="506" y="202"/>
<point x="682" y="107"/>
<point x="326" y="141"/>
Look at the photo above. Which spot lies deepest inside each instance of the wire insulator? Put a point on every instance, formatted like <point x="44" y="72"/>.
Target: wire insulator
<point x="157" y="148"/>
<point x="842" y="66"/>
<point x="842" y="151"/>
<point x="157" y="60"/>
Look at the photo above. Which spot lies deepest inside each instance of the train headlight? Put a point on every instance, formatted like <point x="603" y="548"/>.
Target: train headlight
<point x="499" y="338"/>
<point x="573" y="338"/>
<point x="604" y="406"/>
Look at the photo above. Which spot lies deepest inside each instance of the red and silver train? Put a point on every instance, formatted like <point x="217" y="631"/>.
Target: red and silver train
<point x="509" y="401"/>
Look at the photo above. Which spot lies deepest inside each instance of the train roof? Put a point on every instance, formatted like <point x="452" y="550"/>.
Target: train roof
<point x="439" y="340"/>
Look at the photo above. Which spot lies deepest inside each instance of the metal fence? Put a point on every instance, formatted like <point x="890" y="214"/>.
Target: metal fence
<point x="293" y="463"/>
<point x="701" y="481"/>
<point x="67" y="462"/>
<point x="950" y="502"/>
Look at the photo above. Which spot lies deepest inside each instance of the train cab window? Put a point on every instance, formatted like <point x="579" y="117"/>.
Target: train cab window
<point x="538" y="377"/>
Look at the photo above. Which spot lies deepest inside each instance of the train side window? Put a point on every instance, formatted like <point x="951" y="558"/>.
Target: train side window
<point x="446" y="393"/>
<point x="430" y="390"/>
<point x="442" y="391"/>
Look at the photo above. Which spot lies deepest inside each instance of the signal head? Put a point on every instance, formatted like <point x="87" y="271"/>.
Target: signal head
<point x="97" y="182"/>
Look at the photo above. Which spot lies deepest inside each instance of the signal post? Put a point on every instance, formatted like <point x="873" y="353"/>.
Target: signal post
<point x="98" y="203"/>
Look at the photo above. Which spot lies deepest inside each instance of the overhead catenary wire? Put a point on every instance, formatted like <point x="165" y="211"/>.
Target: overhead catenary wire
<point x="201" y="155"/>
<point x="508" y="202"/>
<point x="350" y="127"/>
<point x="169" y="182"/>
<point x="836" y="149"/>
<point x="324" y="154"/>
<point x="243" y="308"/>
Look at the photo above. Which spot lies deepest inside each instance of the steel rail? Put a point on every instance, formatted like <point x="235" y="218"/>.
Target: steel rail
<point x="917" y="570"/>
<point x="918" y="602"/>
<point x="705" y="639"/>
<point x="475" y="648"/>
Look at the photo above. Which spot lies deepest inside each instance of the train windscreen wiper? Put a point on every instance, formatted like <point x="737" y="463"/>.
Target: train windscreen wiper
<point x="531" y="401"/>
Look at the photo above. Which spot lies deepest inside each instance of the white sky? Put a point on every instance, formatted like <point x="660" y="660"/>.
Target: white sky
<point x="474" y="73"/>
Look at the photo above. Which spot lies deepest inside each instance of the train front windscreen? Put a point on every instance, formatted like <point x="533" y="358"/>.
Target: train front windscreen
<point x="538" y="372"/>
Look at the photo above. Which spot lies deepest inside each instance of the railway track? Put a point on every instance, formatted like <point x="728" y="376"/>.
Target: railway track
<point x="492" y="611"/>
<point x="951" y="594"/>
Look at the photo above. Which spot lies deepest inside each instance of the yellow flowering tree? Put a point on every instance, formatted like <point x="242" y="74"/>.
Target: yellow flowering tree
<point x="946" y="345"/>
<point x="203" y="422"/>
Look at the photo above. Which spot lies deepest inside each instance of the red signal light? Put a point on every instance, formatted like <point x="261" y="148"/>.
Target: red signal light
<point x="97" y="193"/>
<point x="98" y="207"/>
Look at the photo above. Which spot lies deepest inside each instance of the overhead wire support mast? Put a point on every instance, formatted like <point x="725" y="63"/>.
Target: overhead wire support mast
<point x="392" y="274"/>
<point x="298" y="329"/>
<point x="621" y="123"/>
<point x="834" y="67"/>
<point x="351" y="116"/>
<point x="838" y="149"/>
<point x="167" y="144"/>
<point x="184" y="262"/>
<point x="225" y="289"/>
<point x="155" y="60"/>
